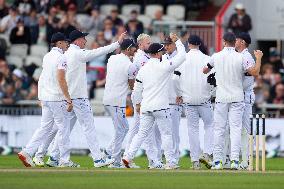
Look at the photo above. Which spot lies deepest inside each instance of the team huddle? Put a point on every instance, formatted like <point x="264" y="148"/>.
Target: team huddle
<point x="164" y="81"/>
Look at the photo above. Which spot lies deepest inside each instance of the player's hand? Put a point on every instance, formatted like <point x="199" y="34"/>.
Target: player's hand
<point x="179" y="100"/>
<point x="258" y="54"/>
<point x="174" y="37"/>
<point x="138" y="106"/>
<point x="69" y="106"/>
<point x="122" y="37"/>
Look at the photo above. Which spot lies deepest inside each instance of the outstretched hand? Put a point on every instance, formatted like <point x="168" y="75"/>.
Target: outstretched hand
<point x="258" y="54"/>
<point x="122" y="37"/>
<point x="174" y="37"/>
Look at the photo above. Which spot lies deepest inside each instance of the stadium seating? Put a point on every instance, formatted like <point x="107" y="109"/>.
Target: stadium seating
<point x="126" y="9"/>
<point x="15" y="60"/>
<point x="151" y="9"/>
<point x="38" y="50"/>
<point x="20" y="50"/>
<point x="33" y="59"/>
<point x="106" y="9"/>
<point x="146" y="20"/>
<point x="176" y="11"/>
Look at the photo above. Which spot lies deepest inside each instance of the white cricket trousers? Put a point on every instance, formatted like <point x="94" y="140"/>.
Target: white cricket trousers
<point x="82" y="111"/>
<point x="163" y="121"/>
<point x="176" y="111"/>
<point x="151" y="147"/>
<point x="249" y="101"/>
<point x="53" y="136"/>
<point x="121" y="128"/>
<point x="232" y="112"/>
<point x="53" y="113"/>
<point x="193" y="112"/>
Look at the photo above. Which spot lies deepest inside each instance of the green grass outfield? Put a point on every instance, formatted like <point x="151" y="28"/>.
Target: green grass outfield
<point x="14" y="175"/>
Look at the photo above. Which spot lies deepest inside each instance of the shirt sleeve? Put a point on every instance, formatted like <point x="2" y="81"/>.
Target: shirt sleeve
<point x="210" y="62"/>
<point x="138" y="89"/>
<point x="62" y="63"/>
<point x="132" y="71"/>
<point x="247" y="62"/>
<point x="88" y="55"/>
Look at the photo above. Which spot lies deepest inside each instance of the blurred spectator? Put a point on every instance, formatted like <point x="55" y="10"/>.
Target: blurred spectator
<point x="54" y="23"/>
<point x="261" y="90"/>
<point x="25" y="6"/>
<point x="133" y="18"/>
<point x="11" y="96"/>
<point x="115" y="19"/>
<point x="96" y="72"/>
<point x="32" y="92"/>
<point x="279" y="94"/>
<point x="109" y="29"/>
<point x="268" y="75"/>
<point x="31" y="21"/>
<point x="4" y="9"/>
<point x="277" y="80"/>
<point x="20" y="34"/>
<point x="41" y="40"/>
<point x="63" y="5"/>
<point x="157" y="17"/>
<point x="100" y="38"/>
<point x="9" y="21"/>
<point x="95" y="23"/>
<point x="42" y="6"/>
<point x="275" y="60"/>
<point x="240" y="21"/>
<point x="184" y="37"/>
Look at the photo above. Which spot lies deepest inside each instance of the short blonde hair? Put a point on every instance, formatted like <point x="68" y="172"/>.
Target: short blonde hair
<point x="142" y="36"/>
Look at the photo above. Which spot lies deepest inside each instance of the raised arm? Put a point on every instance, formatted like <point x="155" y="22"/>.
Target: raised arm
<point x="254" y="71"/>
<point x="179" y="58"/>
<point x="88" y="55"/>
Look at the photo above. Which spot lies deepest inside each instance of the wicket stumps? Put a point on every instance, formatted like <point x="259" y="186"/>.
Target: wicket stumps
<point x="257" y="118"/>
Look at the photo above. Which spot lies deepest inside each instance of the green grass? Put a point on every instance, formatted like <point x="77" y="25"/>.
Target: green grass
<point x="14" y="175"/>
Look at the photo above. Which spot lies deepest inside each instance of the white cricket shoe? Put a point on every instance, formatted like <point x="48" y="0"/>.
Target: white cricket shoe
<point x="134" y="166"/>
<point x="217" y="165"/>
<point x="227" y="164"/>
<point x="207" y="160"/>
<point x="158" y="166"/>
<point x="243" y="165"/>
<point x="234" y="165"/>
<point x="51" y="162"/>
<point x="116" y="165"/>
<point x="69" y="164"/>
<point x="38" y="161"/>
<point x="128" y="163"/>
<point x="170" y="166"/>
<point x="103" y="162"/>
<point x="26" y="159"/>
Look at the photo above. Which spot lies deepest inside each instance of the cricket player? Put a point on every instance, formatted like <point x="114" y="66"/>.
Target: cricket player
<point x="55" y="100"/>
<point x="139" y="60"/>
<point x="230" y="67"/>
<point x="119" y="79"/>
<point x="151" y="91"/>
<point x="175" y="109"/>
<point x="77" y="57"/>
<point x="242" y="43"/>
<point x="196" y="95"/>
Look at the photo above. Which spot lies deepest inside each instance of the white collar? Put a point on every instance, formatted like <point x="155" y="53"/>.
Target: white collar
<point x="245" y="50"/>
<point x="229" y="48"/>
<point x="75" y="46"/>
<point x="57" y="49"/>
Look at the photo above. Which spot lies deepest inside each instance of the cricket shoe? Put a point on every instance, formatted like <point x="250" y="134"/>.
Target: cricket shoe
<point x="206" y="159"/>
<point x="157" y="166"/>
<point x="234" y="165"/>
<point x="243" y="165"/>
<point x="51" y="162"/>
<point x="26" y="159"/>
<point x="103" y="162"/>
<point x="69" y="164"/>
<point x="116" y="165"/>
<point x="38" y="161"/>
<point x="134" y="166"/>
<point x="170" y="166"/>
<point x="128" y="163"/>
<point x="196" y="165"/>
<point x="217" y="165"/>
<point x="227" y="164"/>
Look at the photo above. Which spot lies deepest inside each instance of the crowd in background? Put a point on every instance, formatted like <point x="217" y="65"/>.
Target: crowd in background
<point x="33" y="22"/>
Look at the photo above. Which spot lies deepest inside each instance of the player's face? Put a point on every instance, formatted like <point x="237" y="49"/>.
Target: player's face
<point x="82" y="42"/>
<point x="63" y="45"/>
<point x="146" y="43"/>
<point x="132" y="51"/>
<point x="170" y="48"/>
<point x="239" y="43"/>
